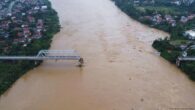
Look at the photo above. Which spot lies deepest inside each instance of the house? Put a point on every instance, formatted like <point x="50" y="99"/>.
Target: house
<point x="44" y="7"/>
<point x="158" y="18"/>
<point x="178" y="3"/>
<point x="40" y="24"/>
<point x="23" y="14"/>
<point x="190" y="34"/>
<point x="20" y="34"/>
<point x="184" y="19"/>
<point x="26" y="32"/>
<point x="183" y="46"/>
<point x="192" y="16"/>
<point x="170" y="20"/>
<point x="36" y="8"/>
<point x="168" y="17"/>
<point x="9" y="14"/>
<point x="31" y="19"/>
<point x="136" y="2"/>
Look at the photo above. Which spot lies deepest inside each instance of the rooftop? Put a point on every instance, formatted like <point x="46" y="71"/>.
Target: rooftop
<point x="191" y="32"/>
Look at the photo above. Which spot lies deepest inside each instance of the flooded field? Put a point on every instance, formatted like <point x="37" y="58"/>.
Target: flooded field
<point x="121" y="69"/>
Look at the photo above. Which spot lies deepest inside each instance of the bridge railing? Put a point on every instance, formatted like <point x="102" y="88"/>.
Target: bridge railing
<point x="49" y="55"/>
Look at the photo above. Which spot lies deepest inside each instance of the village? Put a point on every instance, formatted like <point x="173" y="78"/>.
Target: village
<point x="174" y="2"/>
<point x="19" y="23"/>
<point x="171" y="20"/>
<point x="160" y="16"/>
<point x="158" y="19"/>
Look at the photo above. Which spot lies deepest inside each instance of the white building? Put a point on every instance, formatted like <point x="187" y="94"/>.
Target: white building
<point x="190" y="34"/>
<point x="44" y="7"/>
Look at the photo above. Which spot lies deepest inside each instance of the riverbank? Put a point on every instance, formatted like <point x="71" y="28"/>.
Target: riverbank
<point x="170" y="47"/>
<point x="11" y="71"/>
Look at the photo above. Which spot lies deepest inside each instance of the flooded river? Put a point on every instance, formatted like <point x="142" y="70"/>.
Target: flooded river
<point x="121" y="70"/>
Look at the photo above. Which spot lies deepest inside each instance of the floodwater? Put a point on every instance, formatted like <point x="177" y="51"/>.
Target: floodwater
<point x="121" y="72"/>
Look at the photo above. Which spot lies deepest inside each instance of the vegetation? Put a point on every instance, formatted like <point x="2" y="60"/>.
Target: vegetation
<point x="10" y="71"/>
<point x="169" y="47"/>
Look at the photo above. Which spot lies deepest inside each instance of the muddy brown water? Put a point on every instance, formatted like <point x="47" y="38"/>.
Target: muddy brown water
<point x="121" y="70"/>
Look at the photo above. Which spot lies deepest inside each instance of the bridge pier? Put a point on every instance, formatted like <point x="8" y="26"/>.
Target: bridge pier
<point x="81" y="62"/>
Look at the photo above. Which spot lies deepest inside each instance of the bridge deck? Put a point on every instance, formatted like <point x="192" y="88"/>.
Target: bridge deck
<point x="40" y="58"/>
<point x="47" y="55"/>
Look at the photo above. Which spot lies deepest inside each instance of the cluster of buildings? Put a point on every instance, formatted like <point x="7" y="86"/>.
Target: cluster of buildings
<point x="185" y="19"/>
<point x="172" y="20"/>
<point x="138" y="2"/>
<point x="180" y="2"/>
<point x="174" y="2"/>
<point x="157" y="18"/>
<point x="19" y="23"/>
<point x="4" y="7"/>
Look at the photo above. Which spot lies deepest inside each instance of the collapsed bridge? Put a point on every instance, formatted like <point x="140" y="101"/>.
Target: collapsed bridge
<point x="49" y="55"/>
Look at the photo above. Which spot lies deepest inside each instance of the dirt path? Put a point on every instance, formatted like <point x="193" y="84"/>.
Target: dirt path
<point x="121" y="70"/>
